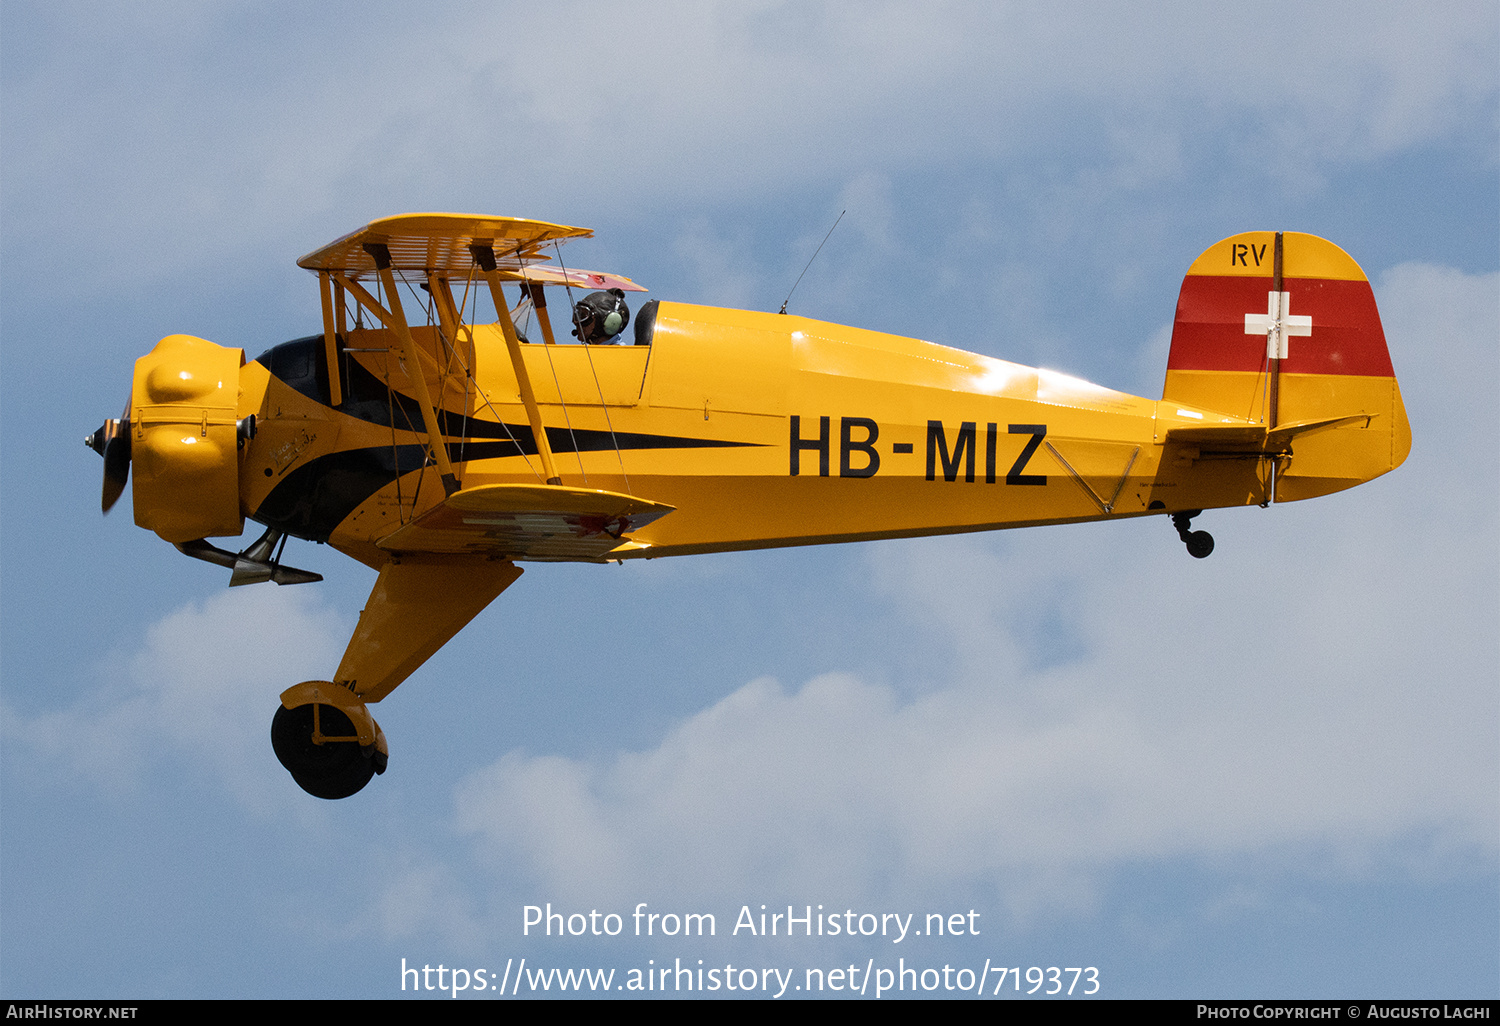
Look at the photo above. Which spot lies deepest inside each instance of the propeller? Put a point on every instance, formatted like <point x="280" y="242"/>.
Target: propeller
<point x="112" y="441"/>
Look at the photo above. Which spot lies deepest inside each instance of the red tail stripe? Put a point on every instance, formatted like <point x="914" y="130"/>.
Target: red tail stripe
<point x="1209" y="332"/>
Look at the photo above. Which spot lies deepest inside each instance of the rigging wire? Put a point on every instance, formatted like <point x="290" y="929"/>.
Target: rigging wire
<point x="469" y="375"/>
<point x="562" y="401"/>
<point x="1263" y="386"/>
<point x="429" y="453"/>
<point x="390" y="401"/>
<point x="589" y="351"/>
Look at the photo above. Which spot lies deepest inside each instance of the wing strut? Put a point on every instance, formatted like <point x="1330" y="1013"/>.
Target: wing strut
<point x="484" y="256"/>
<point x="538" y="296"/>
<point x="330" y="340"/>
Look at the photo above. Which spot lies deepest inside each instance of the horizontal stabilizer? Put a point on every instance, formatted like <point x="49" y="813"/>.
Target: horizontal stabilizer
<point x="1246" y="435"/>
<point x="1256" y="439"/>
<point x="534" y="522"/>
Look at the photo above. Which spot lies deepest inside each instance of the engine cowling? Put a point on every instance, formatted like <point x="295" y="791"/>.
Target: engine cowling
<point x="184" y="439"/>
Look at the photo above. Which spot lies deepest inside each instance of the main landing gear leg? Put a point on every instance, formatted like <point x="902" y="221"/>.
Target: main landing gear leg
<point x="1199" y="543"/>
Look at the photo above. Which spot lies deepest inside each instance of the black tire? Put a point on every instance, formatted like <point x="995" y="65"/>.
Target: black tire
<point x="1200" y="544"/>
<point x="332" y="770"/>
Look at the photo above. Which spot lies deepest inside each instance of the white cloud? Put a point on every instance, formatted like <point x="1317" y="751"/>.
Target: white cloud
<point x="717" y="269"/>
<point x="416" y="897"/>
<point x="552" y="110"/>
<point x="1442" y="327"/>
<point x="199" y="691"/>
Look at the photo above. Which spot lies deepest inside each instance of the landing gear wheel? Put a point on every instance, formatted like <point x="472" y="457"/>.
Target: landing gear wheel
<point x="333" y="769"/>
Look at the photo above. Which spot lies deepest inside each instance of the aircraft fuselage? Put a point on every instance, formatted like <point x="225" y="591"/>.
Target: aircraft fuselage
<point x="762" y="429"/>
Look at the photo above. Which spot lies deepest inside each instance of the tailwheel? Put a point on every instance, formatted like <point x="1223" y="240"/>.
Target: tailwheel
<point x="1199" y="543"/>
<point x="323" y="749"/>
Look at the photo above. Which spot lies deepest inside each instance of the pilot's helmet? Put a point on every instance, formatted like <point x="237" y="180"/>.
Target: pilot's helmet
<point x="600" y="316"/>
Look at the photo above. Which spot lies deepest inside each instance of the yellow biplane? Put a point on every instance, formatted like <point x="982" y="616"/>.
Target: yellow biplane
<point x="442" y="451"/>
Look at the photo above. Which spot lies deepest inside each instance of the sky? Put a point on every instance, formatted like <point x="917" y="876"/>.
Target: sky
<point x="1271" y="773"/>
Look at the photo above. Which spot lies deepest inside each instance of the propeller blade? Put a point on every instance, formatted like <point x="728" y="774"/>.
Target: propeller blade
<point x="112" y="441"/>
<point x="116" y="468"/>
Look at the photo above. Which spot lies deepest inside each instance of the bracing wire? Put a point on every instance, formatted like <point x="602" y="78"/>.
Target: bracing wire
<point x="416" y="356"/>
<point x="1262" y="394"/>
<point x="390" y="401"/>
<point x="561" y="399"/>
<point x="469" y="374"/>
<point x="589" y="352"/>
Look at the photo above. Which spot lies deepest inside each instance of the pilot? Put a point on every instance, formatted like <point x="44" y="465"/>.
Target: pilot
<point x="599" y="317"/>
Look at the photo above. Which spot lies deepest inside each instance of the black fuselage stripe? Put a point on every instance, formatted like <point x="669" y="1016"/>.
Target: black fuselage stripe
<point x="463" y="432"/>
<point x="313" y="499"/>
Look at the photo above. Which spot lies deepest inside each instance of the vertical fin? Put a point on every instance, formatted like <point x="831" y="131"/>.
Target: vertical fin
<point x="1280" y="328"/>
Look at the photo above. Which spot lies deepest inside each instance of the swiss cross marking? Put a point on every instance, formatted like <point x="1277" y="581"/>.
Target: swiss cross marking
<point x="1277" y="324"/>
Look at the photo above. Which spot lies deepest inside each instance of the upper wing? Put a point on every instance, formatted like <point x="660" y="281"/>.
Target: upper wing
<point x="423" y="244"/>
<point x="540" y="522"/>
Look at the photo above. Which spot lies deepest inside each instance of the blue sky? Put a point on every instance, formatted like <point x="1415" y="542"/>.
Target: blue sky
<point x="1275" y="772"/>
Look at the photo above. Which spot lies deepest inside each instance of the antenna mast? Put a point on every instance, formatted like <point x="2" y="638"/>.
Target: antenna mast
<point x="810" y="259"/>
